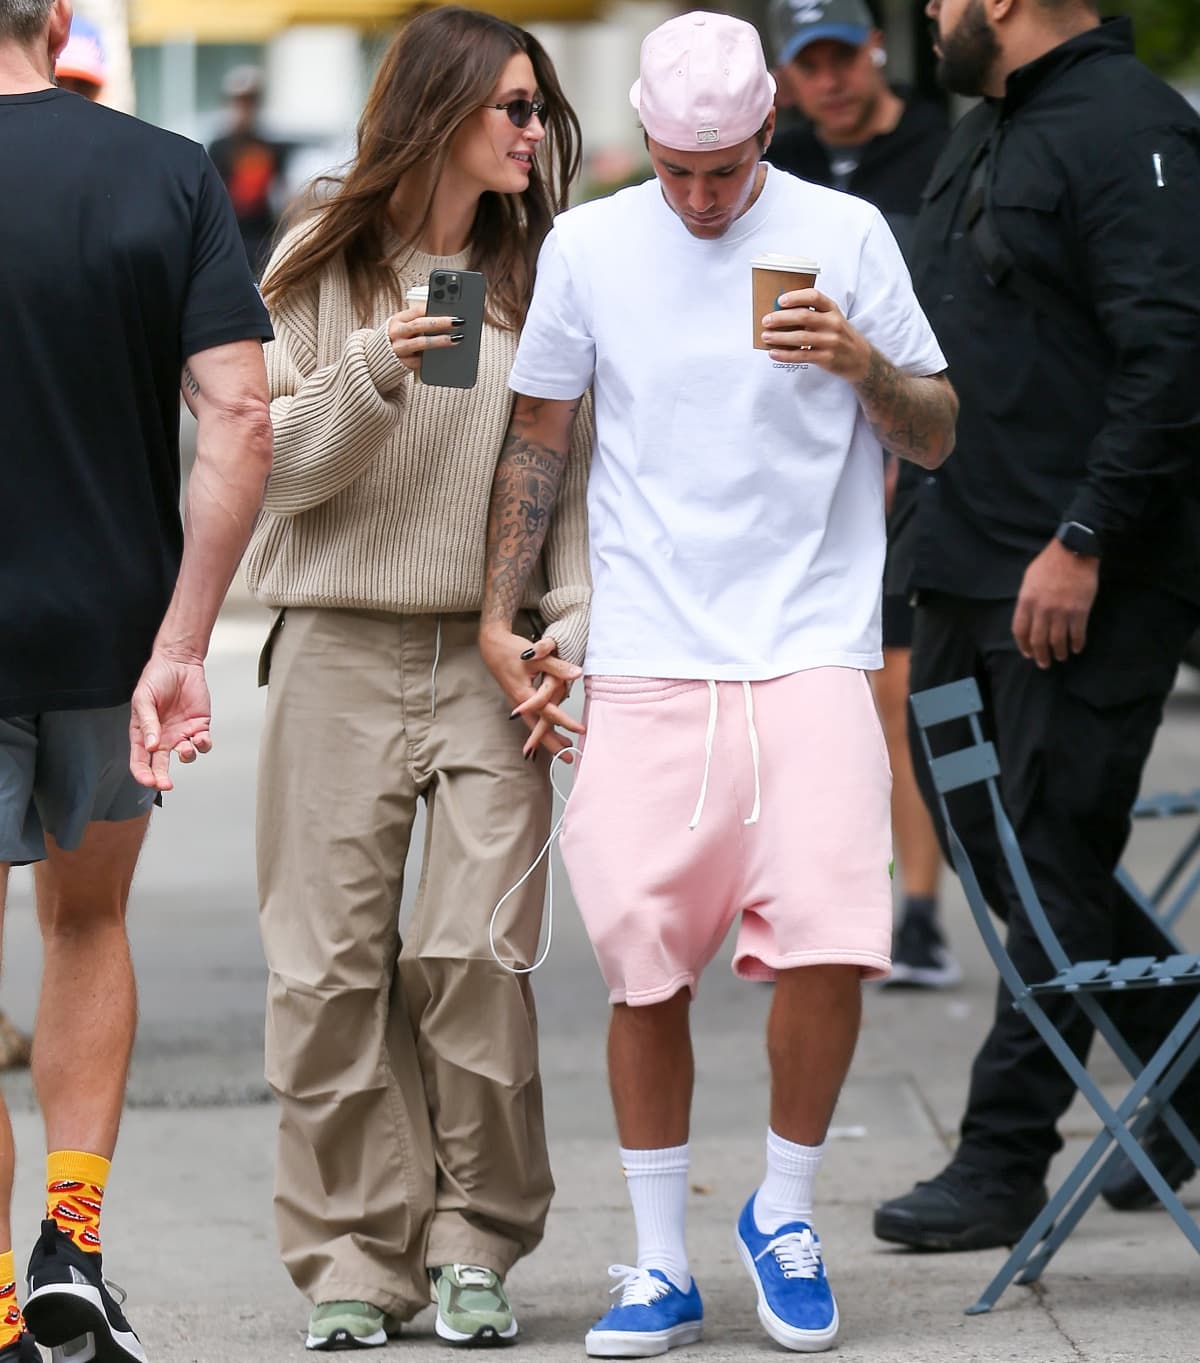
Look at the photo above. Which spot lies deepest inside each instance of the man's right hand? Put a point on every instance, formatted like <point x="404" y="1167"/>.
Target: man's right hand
<point x="536" y="682"/>
<point x="171" y="713"/>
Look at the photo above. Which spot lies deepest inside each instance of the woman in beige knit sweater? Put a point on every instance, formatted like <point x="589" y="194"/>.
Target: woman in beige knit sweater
<point x="411" y="1159"/>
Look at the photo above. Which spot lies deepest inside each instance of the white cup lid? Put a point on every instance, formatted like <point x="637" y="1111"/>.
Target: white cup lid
<point x="418" y="293"/>
<point x="798" y="264"/>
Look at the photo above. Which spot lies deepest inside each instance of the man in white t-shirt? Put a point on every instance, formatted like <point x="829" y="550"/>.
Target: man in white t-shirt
<point x="733" y="762"/>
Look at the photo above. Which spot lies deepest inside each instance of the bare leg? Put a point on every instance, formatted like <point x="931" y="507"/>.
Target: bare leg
<point x="811" y="1035"/>
<point x="7" y="1153"/>
<point x="917" y="848"/>
<point x="87" y="1014"/>
<point x="651" y="1072"/>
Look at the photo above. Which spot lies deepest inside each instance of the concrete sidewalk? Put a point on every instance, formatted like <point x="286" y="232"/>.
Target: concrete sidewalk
<point x="188" y="1224"/>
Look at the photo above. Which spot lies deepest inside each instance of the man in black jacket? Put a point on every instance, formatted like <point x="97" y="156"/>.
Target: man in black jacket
<point x="867" y="138"/>
<point x="1058" y="556"/>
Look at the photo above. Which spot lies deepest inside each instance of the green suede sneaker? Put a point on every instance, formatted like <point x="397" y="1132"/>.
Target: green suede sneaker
<point x="473" y="1310"/>
<point x="349" y="1325"/>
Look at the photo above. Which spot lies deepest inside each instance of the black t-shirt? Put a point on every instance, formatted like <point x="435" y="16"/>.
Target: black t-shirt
<point x="119" y="259"/>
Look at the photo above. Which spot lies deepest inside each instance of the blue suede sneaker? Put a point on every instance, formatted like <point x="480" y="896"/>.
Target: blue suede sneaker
<point x="652" y="1316"/>
<point x="795" y="1305"/>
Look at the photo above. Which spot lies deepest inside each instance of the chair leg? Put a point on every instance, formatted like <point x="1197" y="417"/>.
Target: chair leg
<point x="1080" y="1206"/>
<point x="1185" y="1035"/>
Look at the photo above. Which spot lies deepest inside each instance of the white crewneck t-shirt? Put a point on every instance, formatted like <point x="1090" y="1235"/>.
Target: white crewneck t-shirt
<point x="735" y="505"/>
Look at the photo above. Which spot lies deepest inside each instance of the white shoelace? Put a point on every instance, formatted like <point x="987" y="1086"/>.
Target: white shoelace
<point x="555" y="830"/>
<point x="710" y="734"/>
<point x="636" y="1286"/>
<point x="437" y="658"/>
<point x="798" y="1254"/>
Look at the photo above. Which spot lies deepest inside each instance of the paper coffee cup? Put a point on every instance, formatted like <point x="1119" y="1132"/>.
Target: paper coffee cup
<point x="773" y="275"/>
<point x="416" y="293"/>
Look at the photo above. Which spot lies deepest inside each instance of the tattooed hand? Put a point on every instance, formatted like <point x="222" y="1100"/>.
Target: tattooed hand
<point x="912" y="416"/>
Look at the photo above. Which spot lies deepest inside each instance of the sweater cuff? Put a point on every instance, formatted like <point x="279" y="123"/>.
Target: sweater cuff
<point x="570" y="633"/>
<point x="385" y="368"/>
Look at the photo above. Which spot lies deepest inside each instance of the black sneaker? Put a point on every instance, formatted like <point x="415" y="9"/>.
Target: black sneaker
<point x="920" y="957"/>
<point x="962" y="1208"/>
<point x="21" y="1350"/>
<point x="70" y="1308"/>
<point x="1126" y="1191"/>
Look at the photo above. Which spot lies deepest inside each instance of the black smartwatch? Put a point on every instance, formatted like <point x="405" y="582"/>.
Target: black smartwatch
<point x="1079" y="539"/>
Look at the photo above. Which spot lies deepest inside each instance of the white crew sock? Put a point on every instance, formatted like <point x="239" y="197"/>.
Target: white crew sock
<point x="658" y="1189"/>
<point x="787" y="1191"/>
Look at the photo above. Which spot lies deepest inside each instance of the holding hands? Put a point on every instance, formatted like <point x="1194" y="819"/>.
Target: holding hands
<point x="809" y="328"/>
<point x="536" y="682"/>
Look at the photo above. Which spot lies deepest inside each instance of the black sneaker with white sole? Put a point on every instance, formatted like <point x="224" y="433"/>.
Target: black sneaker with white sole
<point x="71" y="1309"/>
<point x="920" y="957"/>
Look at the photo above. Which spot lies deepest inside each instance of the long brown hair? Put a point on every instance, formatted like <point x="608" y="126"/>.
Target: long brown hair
<point x="441" y="67"/>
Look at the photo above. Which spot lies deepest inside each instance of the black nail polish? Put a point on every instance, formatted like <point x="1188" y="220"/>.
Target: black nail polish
<point x="457" y="338"/>
<point x="458" y="321"/>
<point x="525" y="657"/>
<point x="513" y="715"/>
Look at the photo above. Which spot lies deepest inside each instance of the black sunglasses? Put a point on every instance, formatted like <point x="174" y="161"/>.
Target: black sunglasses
<point x="521" y="111"/>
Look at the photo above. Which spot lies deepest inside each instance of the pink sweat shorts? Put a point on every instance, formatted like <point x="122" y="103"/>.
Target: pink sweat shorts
<point x="698" y="801"/>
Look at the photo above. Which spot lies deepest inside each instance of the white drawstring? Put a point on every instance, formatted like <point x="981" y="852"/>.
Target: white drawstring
<point x="752" y="732"/>
<point x="708" y="748"/>
<point x="437" y="657"/>
<point x="554" y="832"/>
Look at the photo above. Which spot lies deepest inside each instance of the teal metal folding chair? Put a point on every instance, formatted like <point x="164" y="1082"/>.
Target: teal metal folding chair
<point x="1179" y="884"/>
<point x="1087" y="982"/>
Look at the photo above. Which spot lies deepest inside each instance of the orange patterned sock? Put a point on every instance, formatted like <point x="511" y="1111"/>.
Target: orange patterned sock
<point x="11" y="1323"/>
<point x="74" y="1190"/>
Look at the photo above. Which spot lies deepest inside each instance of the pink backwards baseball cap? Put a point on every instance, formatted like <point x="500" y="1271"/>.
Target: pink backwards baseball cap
<point x="704" y="83"/>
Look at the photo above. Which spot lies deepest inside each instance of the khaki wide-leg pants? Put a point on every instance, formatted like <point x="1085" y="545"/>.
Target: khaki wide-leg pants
<point x="410" y="1123"/>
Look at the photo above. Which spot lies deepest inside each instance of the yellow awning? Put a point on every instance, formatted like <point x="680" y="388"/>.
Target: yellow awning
<point x="251" y="21"/>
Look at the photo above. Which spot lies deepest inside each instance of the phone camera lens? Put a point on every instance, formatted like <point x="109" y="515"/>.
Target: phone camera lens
<point x="439" y="293"/>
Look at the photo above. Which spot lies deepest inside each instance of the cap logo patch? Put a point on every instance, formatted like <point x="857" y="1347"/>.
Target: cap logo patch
<point x="807" y="11"/>
<point x="708" y="134"/>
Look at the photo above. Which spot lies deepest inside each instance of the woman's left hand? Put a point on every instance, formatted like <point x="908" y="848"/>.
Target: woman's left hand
<point x="537" y="682"/>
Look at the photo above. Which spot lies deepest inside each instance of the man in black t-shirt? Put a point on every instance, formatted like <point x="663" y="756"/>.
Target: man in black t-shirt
<point x="121" y="270"/>
<point x="867" y="138"/>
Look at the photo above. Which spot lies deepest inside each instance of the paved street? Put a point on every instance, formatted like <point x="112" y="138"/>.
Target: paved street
<point x="188" y="1224"/>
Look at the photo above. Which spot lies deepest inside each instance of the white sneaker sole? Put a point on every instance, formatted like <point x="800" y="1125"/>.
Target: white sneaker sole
<point x="70" y="1320"/>
<point x="480" y="1336"/>
<point x="332" y="1342"/>
<point x="641" y="1344"/>
<point x="799" y="1341"/>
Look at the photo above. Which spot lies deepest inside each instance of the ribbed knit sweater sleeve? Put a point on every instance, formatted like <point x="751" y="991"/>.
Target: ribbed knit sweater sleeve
<point x="380" y="492"/>
<point x="565" y="606"/>
<point x="330" y="422"/>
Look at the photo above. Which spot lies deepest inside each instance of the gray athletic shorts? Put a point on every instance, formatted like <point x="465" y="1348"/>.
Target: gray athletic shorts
<point x="60" y="771"/>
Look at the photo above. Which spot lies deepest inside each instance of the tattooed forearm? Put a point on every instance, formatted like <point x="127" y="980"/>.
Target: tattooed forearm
<point x="912" y="417"/>
<point x="523" y="495"/>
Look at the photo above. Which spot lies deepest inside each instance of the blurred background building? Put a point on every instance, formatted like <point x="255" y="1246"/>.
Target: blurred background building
<point x="170" y="60"/>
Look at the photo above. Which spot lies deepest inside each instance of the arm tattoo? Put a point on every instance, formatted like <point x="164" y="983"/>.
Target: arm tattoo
<point x="912" y="417"/>
<point x="523" y="495"/>
<point x="189" y="382"/>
